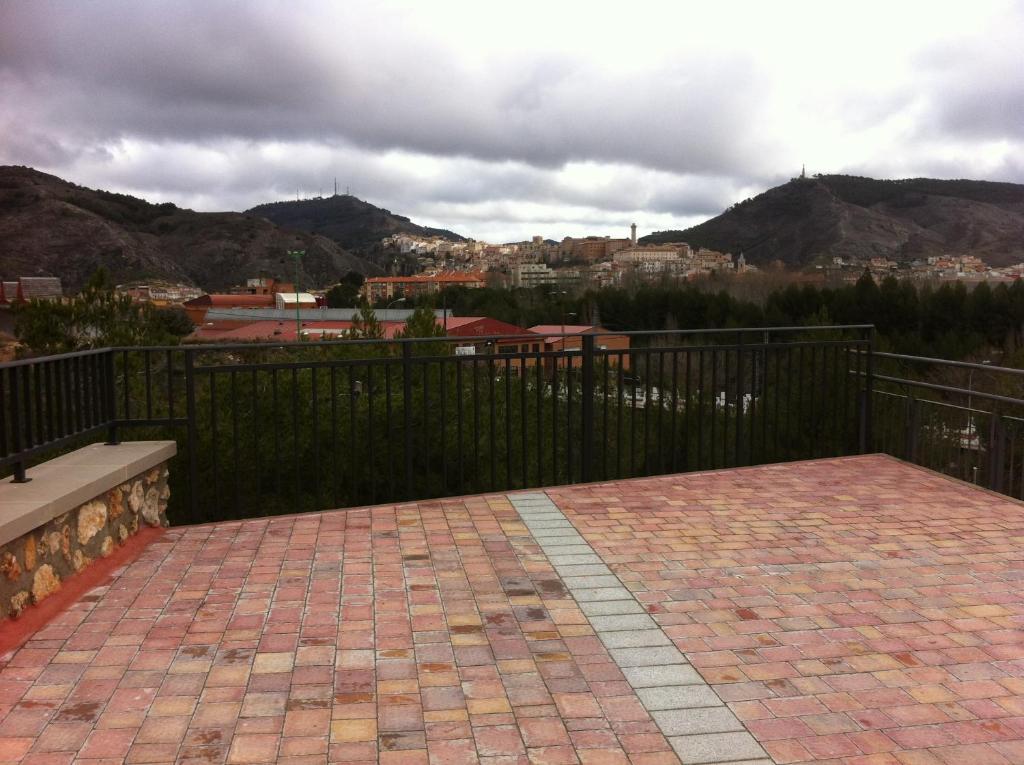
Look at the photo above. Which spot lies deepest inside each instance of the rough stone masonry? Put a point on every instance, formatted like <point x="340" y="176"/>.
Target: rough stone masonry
<point x="33" y="566"/>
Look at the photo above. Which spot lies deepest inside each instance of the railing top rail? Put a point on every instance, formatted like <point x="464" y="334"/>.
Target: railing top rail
<point x="950" y="363"/>
<point x="199" y="347"/>
<point x="949" y="389"/>
<point x="933" y="402"/>
<point x="54" y="357"/>
<point x="207" y="347"/>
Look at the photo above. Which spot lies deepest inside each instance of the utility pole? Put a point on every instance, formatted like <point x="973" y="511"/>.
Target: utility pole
<point x="297" y="256"/>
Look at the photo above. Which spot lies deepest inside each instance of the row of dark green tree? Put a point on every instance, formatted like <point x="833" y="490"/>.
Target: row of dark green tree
<point x="949" y="320"/>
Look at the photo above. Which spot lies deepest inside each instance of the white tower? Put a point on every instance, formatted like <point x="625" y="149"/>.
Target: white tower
<point x="632" y="235"/>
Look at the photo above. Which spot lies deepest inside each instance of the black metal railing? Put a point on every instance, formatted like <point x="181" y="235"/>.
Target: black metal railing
<point x="960" y="418"/>
<point x="276" y="428"/>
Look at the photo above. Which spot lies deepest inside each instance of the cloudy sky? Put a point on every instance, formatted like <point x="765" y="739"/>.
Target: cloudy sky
<point x="504" y="120"/>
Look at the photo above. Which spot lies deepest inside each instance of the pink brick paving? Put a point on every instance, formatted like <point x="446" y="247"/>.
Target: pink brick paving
<point x="425" y="633"/>
<point x="857" y="611"/>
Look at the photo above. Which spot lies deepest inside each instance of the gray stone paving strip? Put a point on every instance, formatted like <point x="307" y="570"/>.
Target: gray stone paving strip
<point x="698" y="725"/>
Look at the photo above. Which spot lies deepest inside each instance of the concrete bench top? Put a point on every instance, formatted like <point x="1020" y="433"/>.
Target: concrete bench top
<point x="65" y="482"/>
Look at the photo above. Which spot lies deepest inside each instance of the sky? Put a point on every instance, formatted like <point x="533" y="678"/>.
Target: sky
<point x="506" y="120"/>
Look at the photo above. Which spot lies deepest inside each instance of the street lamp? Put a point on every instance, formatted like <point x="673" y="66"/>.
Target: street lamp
<point x="297" y="256"/>
<point x="394" y="302"/>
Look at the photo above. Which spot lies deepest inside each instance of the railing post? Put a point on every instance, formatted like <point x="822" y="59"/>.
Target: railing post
<point x="995" y="452"/>
<point x="16" y="434"/>
<point x="910" y="442"/>
<point x="867" y="394"/>
<point x="110" y="399"/>
<point x="407" y="413"/>
<point x="587" y="410"/>
<point x="193" y="434"/>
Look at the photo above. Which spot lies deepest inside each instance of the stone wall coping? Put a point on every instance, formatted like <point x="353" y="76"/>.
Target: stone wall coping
<point x="65" y="482"/>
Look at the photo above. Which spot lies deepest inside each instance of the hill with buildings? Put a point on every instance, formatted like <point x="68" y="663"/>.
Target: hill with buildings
<point x="354" y="224"/>
<point x="51" y="227"/>
<point x="860" y="218"/>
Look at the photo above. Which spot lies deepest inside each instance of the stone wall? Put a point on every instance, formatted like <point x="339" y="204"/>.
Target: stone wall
<point x="33" y="565"/>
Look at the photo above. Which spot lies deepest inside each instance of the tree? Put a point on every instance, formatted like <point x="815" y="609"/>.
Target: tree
<point x="422" y="323"/>
<point x="345" y="294"/>
<point x="95" y="318"/>
<point x="365" y="324"/>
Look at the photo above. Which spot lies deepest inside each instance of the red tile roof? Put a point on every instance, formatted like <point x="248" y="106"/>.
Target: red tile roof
<point x="284" y="331"/>
<point x="554" y="330"/>
<point x="481" y="326"/>
<point x="231" y="301"/>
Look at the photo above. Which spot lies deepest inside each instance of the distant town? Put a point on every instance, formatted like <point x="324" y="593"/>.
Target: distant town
<point x="602" y="261"/>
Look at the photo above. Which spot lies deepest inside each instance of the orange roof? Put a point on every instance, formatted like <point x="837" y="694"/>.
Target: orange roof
<point x="467" y="326"/>
<point x="284" y="331"/>
<point x="567" y="329"/>
<point x="554" y="330"/>
<point x="232" y="301"/>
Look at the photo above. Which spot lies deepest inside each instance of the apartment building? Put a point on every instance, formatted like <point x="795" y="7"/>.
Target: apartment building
<point x="392" y="287"/>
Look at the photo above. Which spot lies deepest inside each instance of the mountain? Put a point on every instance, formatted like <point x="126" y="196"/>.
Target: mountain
<point x="351" y="222"/>
<point x="852" y="217"/>
<point x="49" y="226"/>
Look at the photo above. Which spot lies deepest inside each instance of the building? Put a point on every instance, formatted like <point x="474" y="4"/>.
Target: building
<point x="531" y="275"/>
<point x="380" y="288"/>
<point x="160" y="295"/>
<point x="711" y="260"/>
<point x="515" y="339"/>
<point x="265" y="285"/>
<point x="569" y="337"/>
<point x="648" y="253"/>
<point x="281" y="330"/>
<point x="228" y="325"/>
<point x="197" y="307"/>
<point x="30" y="288"/>
<point x="591" y="248"/>
<point x="294" y="300"/>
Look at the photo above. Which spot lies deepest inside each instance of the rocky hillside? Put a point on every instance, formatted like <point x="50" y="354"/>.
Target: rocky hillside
<point x="351" y="222"/>
<point x="841" y="215"/>
<point x="54" y="228"/>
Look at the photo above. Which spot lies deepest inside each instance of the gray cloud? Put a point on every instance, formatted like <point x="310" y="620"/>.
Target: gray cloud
<point x="224" y="105"/>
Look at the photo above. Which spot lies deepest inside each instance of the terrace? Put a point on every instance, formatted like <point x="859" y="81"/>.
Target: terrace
<point x="768" y="605"/>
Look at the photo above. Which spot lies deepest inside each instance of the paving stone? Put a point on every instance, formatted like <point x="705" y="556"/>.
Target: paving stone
<point x="591" y="594"/>
<point x="678" y="697"/>
<point x="572" y="582"/>
<point x="646" y="657"/>
<point x="622" y="622"/>
<point x="855" y="610"/>
<point x="552" y="524"/>
<point x="687" y="722"/>
<point x="583" y="569"/>
<point x="557" y="539"/>
<point x="612" y="607"/>
<point x="716" y="748"/>
<point x="635" y="638"/>
<point x="567" y="560"/>
<point x="565" y="549"/>
<point x="662" y="675"/>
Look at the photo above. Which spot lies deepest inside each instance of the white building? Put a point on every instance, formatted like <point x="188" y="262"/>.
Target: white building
<point x="289" y="300"/>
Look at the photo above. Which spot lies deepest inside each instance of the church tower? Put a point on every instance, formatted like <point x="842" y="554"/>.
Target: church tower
<point x="632" y="235"/>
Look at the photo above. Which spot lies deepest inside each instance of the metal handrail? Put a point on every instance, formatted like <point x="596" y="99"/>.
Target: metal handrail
<point x="292" y="345"/>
